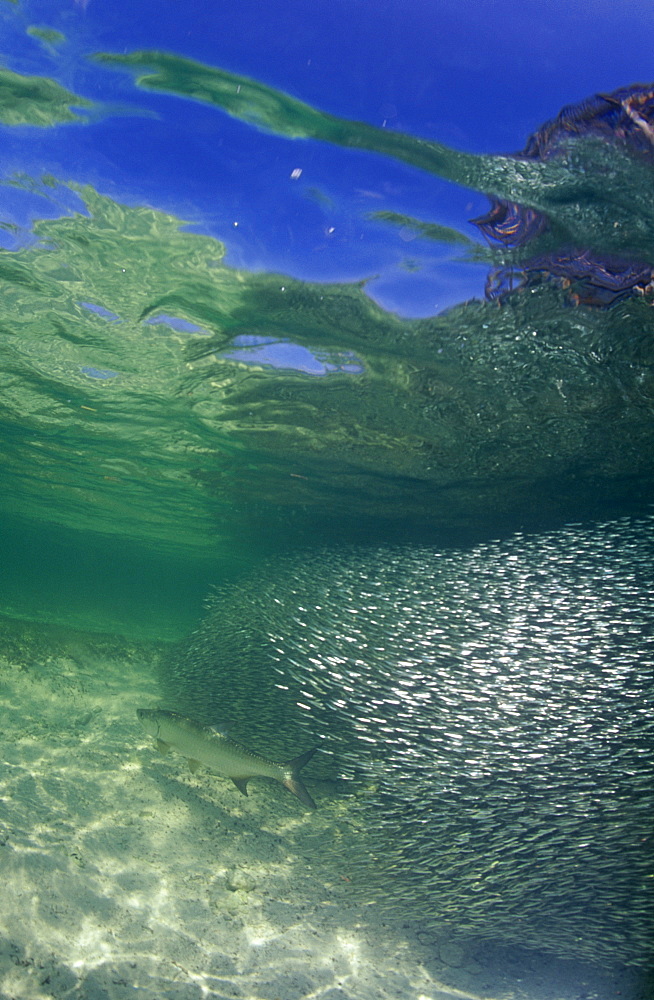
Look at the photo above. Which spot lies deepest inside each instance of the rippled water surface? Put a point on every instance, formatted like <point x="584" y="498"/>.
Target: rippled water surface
<point x="244" y="341"/>
<point x="153" y="391"/>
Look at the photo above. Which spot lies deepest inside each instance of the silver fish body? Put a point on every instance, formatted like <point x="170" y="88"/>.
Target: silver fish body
<point x="491" y="707"/>
<point x="213" y="749"/>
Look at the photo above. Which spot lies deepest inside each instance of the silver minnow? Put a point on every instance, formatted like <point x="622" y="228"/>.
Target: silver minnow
<point x="220" y="754"/>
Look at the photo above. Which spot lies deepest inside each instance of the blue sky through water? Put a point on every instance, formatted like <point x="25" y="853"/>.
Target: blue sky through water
<point x="478" y="77"/>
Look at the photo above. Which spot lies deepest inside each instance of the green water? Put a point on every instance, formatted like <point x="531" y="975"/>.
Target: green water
<point x="149" y="449"/>
<point x="100" y="583"/>
<point x="146" y="452"/>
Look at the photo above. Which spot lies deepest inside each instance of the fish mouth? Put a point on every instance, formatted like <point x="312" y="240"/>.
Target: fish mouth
<point x="147" y="716"/>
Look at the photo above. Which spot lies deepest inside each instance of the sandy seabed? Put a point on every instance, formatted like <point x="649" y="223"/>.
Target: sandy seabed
<point x="123" y="875"/>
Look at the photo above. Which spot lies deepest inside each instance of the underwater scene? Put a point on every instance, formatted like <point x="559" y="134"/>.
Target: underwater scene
<point x="326" y="533"/>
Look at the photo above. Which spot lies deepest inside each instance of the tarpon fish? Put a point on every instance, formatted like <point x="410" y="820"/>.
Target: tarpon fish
<point x="203" y="745"/>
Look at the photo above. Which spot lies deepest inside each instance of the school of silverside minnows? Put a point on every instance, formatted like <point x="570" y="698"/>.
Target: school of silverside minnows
<point x="490" y="708"/>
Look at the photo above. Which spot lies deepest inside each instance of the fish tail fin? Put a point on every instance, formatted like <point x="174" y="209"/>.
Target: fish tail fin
<point x="294" y="782"/>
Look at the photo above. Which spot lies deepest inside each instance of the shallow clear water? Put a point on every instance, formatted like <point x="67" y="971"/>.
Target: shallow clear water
<point x="226" y="358"/>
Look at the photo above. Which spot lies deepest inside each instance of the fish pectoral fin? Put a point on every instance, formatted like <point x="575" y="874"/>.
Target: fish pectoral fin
<point x="241" y="784"/>
<point x="162" y="746"/>
<point x="193" y="765"/>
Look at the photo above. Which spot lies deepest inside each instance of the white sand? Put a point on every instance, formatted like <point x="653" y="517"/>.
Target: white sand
<point x="123" y="875"/>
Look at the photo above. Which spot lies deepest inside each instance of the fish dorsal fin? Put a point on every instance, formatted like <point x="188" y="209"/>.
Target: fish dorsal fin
<point x="162" y="746"/>
<point x="241" y="784"/>
<point x="193" y="765"/>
